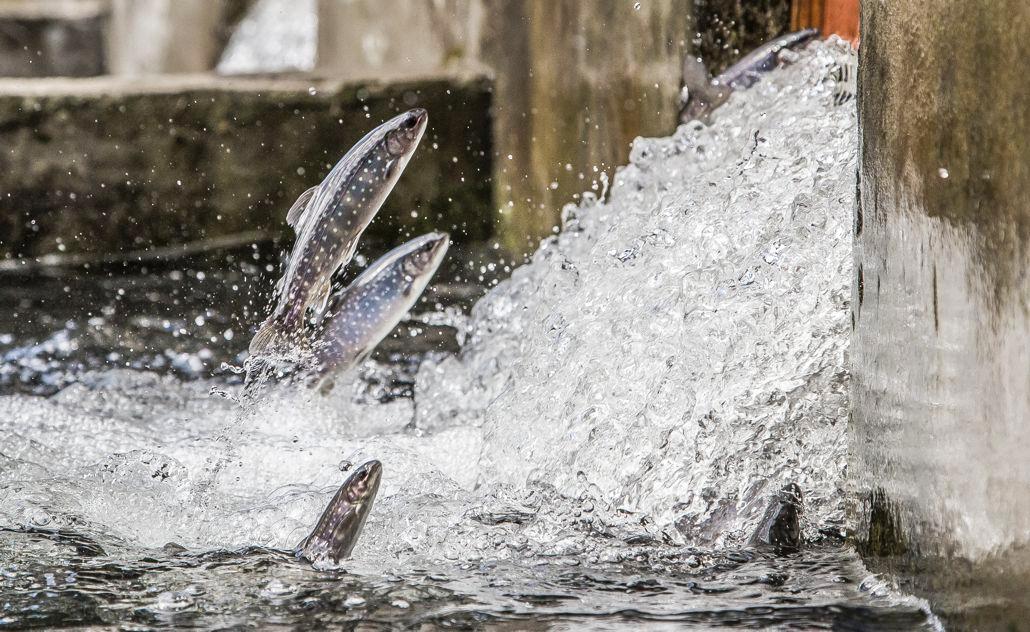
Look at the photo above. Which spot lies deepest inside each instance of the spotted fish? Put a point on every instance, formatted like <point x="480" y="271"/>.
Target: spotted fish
<point x="702" y="93"/>
<point x="363" y="313"/>
<point x="329" y="219"/>
<point x="341" y="523"/>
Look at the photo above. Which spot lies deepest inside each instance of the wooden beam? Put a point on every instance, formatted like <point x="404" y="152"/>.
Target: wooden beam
<point x="840" y="17"/>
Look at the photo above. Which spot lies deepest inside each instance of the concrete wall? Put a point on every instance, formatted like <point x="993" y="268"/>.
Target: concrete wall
<point x="397" y="38"/>
<point x="101" y="165"/>
<point x="941" y="351"/>
<point x="576" y="83"/>
<point x="148" y="37"/>
<point x="46" y="38"/>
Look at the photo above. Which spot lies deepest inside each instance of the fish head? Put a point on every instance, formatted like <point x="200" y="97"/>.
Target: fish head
<point x="363" y="484"/>
<point x="425" y="255"/>
<point x="701" y="94"/>
<point x="405" y="131"/>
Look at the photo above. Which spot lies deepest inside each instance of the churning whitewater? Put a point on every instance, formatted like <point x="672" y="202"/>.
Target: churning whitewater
<point x="660" y="369"/>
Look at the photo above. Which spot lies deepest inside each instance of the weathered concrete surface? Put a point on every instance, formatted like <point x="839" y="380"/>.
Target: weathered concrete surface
<point x="168" y="36"/>
<point x="576" y="83"/>
<point x="397" y="38"/>
<point x="941" y="351"/>
<point x="99" y="165"/>
<point x="46" y="38"/>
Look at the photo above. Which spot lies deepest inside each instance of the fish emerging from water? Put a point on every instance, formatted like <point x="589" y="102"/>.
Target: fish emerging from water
<point x="363" y="313"/>
<point x="337" y="531"/>
<point x="780" y="527"/>
<point x="703" y="93"/>
<point x="329" y="219"/>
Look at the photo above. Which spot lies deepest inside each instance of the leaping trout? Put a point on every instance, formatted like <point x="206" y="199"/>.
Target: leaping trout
<point x="329" y="219"/>
<point x="337" y="531"/>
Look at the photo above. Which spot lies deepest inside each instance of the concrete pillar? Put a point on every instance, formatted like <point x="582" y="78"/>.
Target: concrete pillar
<point x="396" y="38"/>
<point x="165" y="36"/>
<point x="576" y="83"/>
<point x="940" y="439"/>
<point x="46" y="38"/>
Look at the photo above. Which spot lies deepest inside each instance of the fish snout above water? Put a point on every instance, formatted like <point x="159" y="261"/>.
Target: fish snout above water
<point x="330" y="218"/>
<point x="780" y="526"/>
<point x="340" y="525"/>
<point x="403" y="140"/>
<point x="424" y="256"/>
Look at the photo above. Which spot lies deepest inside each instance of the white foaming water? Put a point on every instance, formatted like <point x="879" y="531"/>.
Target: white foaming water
<point x="274" y="36"/>
<point x="675" y="355"/>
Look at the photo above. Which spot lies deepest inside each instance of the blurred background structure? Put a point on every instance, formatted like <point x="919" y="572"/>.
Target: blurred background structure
<point x="178" y="120"/>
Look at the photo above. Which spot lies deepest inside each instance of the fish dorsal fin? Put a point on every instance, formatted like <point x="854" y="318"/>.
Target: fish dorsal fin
<point x="296" y="212"/>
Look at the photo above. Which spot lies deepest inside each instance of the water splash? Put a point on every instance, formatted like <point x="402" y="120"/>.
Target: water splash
<point x="679" y="350"/>
<point x="675" y="355"/>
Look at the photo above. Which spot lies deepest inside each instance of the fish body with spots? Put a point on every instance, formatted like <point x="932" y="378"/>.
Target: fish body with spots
<point x="363" y="313"/>
<point x="330" y="218"/>
<point x="340" y="525"/>
<point x="702" y="93"/>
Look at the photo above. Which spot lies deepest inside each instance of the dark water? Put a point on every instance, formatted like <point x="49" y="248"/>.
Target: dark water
<point x="50" y="579"/>
<point x="192" y="319"/>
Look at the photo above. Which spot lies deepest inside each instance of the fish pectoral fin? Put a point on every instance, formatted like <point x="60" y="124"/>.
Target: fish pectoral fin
<point x="295" y="215"/>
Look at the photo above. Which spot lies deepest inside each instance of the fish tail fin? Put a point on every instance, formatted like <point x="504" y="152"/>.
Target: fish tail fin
<point x="266" y="334"/>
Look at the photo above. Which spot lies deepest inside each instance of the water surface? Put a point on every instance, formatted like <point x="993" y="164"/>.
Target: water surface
<point x="590" y="444"/>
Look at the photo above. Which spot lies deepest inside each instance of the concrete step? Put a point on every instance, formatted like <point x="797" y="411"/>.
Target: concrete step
<point x="104" y="165"/>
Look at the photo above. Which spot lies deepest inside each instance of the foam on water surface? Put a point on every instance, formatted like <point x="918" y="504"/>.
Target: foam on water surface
<point x="670" y="359"/>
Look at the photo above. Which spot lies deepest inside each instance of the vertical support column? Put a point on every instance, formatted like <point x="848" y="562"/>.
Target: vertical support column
<point x="164" y="36"/>
<point x="940" y="435"/>
<point x="396" y="38"/>
<point x="576" y="82"/>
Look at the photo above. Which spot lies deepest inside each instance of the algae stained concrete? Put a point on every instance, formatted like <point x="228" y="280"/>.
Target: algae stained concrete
<point x="101" y="166"/>
<point x="576" y="83"/>
<point x="941" y="351"/>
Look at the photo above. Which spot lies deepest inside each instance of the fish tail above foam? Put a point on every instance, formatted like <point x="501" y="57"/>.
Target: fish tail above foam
<point x="277" y="328"/>
<point x="264" y="337"/>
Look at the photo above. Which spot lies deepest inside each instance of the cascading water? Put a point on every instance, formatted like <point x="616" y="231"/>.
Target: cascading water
<point x="660" y="367"/>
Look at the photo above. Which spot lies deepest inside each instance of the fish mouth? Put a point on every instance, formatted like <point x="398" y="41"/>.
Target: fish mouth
<point x="368" y="476"/>
<point x="441" y="241"/>
<point x="418" y="128"/>
<point x="434" y="247"/>
<point x="405" y="132"/>
<point x="421" y="119"/>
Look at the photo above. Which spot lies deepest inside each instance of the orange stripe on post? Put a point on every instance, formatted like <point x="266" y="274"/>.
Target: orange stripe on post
<point x="838" y="17"/>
